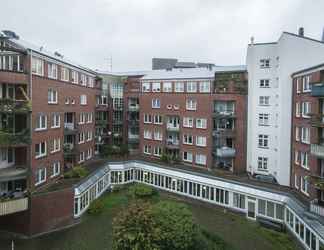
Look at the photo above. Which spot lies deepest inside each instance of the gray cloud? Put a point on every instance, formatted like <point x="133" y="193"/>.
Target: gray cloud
<point x="135" y="31"/>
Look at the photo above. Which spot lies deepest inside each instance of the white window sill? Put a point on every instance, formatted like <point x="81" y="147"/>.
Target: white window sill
<point x="55" y="151"/>
<point x="40" y="129"/>
<point x="187" y="161"/>
<point x="40" y="156"/>
<point x="81" y="142"/>
<point x="305" y="193"/>
<point x="147" y="153"/>
<point x="56" y="127"/>
<point x="52" y="103"/>
<point x="191" y="109"/>
<point x="202" y="146"/>
<point x="55" y="175"/>
<point x="40" y="182"/>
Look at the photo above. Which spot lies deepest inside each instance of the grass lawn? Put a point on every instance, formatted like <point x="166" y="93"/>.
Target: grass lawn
<point x="95" y="231"/>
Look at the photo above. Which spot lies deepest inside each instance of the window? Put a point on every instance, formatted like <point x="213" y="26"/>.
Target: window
<point x="147" y="149"/>
<point x="37" y="66"/>
<point x="146" y="87"/>
<point x="179" y="87"/>
<point x="239" y="200"/>
<point x="262" y="163"/>
<point x="88" y="135"/>
<point x="187" y="139"/>
<point x="83" y="80"/>
<point x="147" y="134"/>
<point x="81" y="157"/>
<point x="81" y="137"/>
<point x="191" y="104"/>
<point x="167" y="87"/>
<point x="75" y="77"/>
<point x="191" y="87"/>
<point x="157" y="119"/>
<point x="264" y="83"/>
<point x="52" y="96"/>
<point x="305" y="135"/>
<point x="90" y="82"/>
<point x="201" y="123"/>
<point x="201" y="141"/>
<point x="304" y="159"/>
<point x="264" y="100"/>
<point x="297" y="109"/>
<point x="155" y="103"/>
<point x="56" y="169"/>
<point x="204" y="87"/>
<point x="56" y="145"/>
<point x="89" y="153"/>
<point x="83" y="99"/>
<point x="306" y="85"/>
<point x="263" y="141"/>
<point x="40" y="150"/>
<point x="89" y="117"/>
<point x="297" y="85"/>
<point x="40" y="176"/>
<point x="147" y="118"/>
<point x="297" y="157"/>
<point x="305" y="109"/>
<point x="82" y="118"/>
<point x="64" y="74"/>
<point x="52" y="70"/>
<point x="157" y="151"/>
<point x="56" y="121"/>
<point x="156" y="87"/>
<point x="201" y="159"/>
<point x="188" y="122"/>
<point x="41" y="122"/>
<point x="297" y="135"/>
<point x="187" y="156"/>
<point x="263" y="119"/>
<point x="158" y="135"/>
<point x="264" y="63"/>
<point x="304" y="185"/>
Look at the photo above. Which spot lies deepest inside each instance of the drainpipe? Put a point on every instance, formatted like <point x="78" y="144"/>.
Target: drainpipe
<point x="30" y="118"/>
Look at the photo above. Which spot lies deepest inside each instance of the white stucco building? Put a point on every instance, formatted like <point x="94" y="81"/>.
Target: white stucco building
<point x="270" y="66"/>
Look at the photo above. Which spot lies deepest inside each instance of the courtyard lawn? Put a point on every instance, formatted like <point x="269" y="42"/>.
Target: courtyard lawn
<point x="95" y="231"/>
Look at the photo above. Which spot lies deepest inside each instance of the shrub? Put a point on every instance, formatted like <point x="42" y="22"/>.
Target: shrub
<point x="141" y="191"/>
<point x="96" y="207"/>
<point x="76" y="172"/>
<point x="165" y="158"/>
<point x="124" y="149"/>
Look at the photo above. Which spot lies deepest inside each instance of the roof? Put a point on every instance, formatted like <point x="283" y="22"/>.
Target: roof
<point x="125" y="73"/>
<point x="194" y="73"/>
<point x="315" y="67"/>
<point x="40" y="50"/>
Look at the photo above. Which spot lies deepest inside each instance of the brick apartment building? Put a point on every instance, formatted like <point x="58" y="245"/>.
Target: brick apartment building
<point x="195" y="116"/>
<point x="307" y="159"/>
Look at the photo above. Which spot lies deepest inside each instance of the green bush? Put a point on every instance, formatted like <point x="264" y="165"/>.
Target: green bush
<point x="165" y="158"/>
<point x="124" y="149"/>
<point x="76" y="172"/>
<point x="141" y="191"/>
<point x="96" y="207"/>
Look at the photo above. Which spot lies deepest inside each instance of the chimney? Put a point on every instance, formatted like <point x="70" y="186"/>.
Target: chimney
<point x="323" y="36"/>
<point x="252" y="40"/>
<point x="301" y="31"/>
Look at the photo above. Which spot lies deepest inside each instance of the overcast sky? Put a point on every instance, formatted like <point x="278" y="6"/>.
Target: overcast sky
<point x="134" y="31"/>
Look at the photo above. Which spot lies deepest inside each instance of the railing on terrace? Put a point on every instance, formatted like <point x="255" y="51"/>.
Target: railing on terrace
<point x="316" y="208"/>
<point x="16" y="106"/>
<point x="13" y="139"/>
<point x="171" y="127"/>
<point x="11" y="206"/>
<point x="225" y="152"/>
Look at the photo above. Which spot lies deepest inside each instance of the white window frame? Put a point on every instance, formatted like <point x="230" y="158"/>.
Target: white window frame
<point x="264" y="119"/>
<point x="263" y="163"/>
<point x="40" y="120"/>
<point x="297" y="113"/>
<point x="41" y="154"/>
<point x="147" y="118"/>
<point x="156" y="103"/>
<point x="37" y="66"/>
<point x="56" y="169"/>
<point x="187" y="156"/>
<point x="83" y="99"/>
<point x="201" y="123"/>
<point x="188" y="122"/>
<point x="306" y="109"/>
<point x="147" y="149"/>
<point x="56" y="121"/>
<point x="191" y="87"/>
<point x="264" y="100"/>
<point x="167" y="87"/>
<point x="56" y="144"/>
<point x="52" y="96"/>
<point x="187" y="138"/>
<point x="40" y="172"/>
<point x="65" y="74"/>
<point x="52" y="70"/>
<point x="201" y="141"/>
<point x="75" y="77"/>
<point x="305" y="135"/>
<point x="201" y="159"/>
<point x="191" y="104"/>
<point x="264" y="139"/>
<point x="264" y="83"/>
<point x="146" y="87"/>
<point x="147" y="134"/>
<point x="179" y="87"/>
<point x="204" y="87"/>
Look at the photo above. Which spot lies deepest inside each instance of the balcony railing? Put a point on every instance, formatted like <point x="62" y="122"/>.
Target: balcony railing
<point x="171" y="127"/>
<point x="172" y="144"/>
<point x="9" y="106"/>
<point x="102" y="123"/>
<point x="316" y="208"/>
<point x="133" y="138"/>
<point x="14" y="139"/>
<point x="69" y="149"/>
<point x="317" y="150"/>
<point x="225" y="152"/>
<point x="13" y="206"/>
<point x="318" y="90"/>
<point x="133" y="107"/>
<point x="224" y="113"/>
<point x="70" y="128"/>
<point x="317" y="120"/>
<point x="224" y="133"/>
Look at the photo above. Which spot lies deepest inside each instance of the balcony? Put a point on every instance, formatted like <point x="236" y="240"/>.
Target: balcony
<point x="316" y="207"/>
<point x="15" y="139"/>
<point x="229" y="133"/>
<point x="133" y="122"/>
<point x="69" y="149"/>
<point x="13" y="77"/>
<point x="318" y="90"/>
<point x="224" y="113"/>
<point x="317" y="120"/>
<point x="70" y="128"/>
<point x="101" y="123"/>
<point x="10" y="206"/>
<point x="133" y="108"/>
<point x="225" y="152"/>
<point x="14" y="106"/>
<point x="133" y="138"/>
<point x="172" y="144"/>
<point x="317" y="150"/>
<point x="172" y="128"/>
